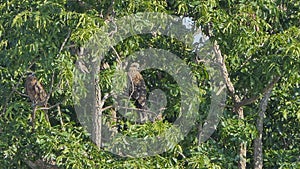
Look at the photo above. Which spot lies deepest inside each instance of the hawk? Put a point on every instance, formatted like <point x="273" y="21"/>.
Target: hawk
<point x="137" y="91"/>
<point x="37" y="95"/>
<point x="35" y="90"/>
<point x="137" y="87"/>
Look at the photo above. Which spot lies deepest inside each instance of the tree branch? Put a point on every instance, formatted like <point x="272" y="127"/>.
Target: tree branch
<point x="105" y="108"/>
<point x="51" y="88"/>
<point x="264" y="91"/>
<point x="258" y="154"/>
<point x="60" y="117"/>
<point x="221" y="62"/>
<point x="236" y="99"/>
<point x="64" y="43"/>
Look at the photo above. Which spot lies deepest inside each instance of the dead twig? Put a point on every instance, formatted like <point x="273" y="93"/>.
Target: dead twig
<point x="64" y="43"/>
<point x="60" y="117"/>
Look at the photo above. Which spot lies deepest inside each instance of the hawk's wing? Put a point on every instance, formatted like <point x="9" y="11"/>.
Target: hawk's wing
<point x="137" y="89"/>
<point x="41" y="95"/>
<point x="35" y="90"/>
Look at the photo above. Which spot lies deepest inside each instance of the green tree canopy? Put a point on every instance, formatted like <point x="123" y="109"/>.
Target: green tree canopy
<point x="258" y="47"/>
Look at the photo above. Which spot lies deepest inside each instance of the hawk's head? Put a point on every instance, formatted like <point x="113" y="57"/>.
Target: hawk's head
<point x="134" y="67"/>
<point x="31" y="76"/>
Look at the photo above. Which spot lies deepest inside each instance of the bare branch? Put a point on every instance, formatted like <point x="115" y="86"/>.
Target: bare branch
<point x="221" y="62"/>
<point x="118" y="56"/>
<point x="51" y="88"/>
<point x="51" y="107"/>
<point x="106" y="96"/>
<point x="258" y="148"/>
<point x="64" y="43"/>
<point x="60" y="117"/>
<point x="21" y="94"/>
<point x="264" y="91"/>
<point x="237" y="101"/>
<point x="246" y="101"/>
<point x="144" y="110"/>
<point x="105" y="108"/>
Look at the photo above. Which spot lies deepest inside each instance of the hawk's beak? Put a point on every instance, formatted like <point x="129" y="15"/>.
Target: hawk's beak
<point x="30" y="74"/>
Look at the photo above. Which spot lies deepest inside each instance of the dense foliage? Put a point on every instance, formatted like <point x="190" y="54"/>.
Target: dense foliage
<point x="260" y="40"/>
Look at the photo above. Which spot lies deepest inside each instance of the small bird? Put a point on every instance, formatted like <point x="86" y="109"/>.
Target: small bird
<point x="35" y="90"/>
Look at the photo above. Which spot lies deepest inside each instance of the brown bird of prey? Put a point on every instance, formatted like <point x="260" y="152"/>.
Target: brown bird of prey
<point x="137" y="89"/>
<point x="37" y="95"/>
<point x="35" y="90"/>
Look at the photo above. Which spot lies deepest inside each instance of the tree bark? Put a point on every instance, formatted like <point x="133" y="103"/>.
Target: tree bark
<point x="258" y="145"/>
<point x="220" y="60"/>
<point x="97" y="107"/>
<point x="243" y="145"/>
<point x="97" y="118"/>
<point x="238" y="105"/>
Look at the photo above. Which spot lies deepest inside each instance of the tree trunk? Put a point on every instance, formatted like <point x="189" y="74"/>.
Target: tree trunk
<point x="243" y="145"/>
<point x="242" y="155"/>
<point x="237" y="102"/>
<point x="97" y="118"/>
<point x="97" y="107"/>
<point x="258" y="152"/>
<point x="236" y="99"/>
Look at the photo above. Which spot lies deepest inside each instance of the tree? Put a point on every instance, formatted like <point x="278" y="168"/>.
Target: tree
<point x="255" y="42"/>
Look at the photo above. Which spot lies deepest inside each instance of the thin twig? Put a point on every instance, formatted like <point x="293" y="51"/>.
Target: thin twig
<point x="105" y="108"/>
<point x="51" y="107"/>
<point x="60" y="117"/>
<point x="118" y="56"/>
<point x="129" y="108"/>
<point x="51" y="88"/>
<point x="64" y="43"/>
<point x="110" y="9"/>
<point x="132" y="87"/>
<point x="21" y="94"/>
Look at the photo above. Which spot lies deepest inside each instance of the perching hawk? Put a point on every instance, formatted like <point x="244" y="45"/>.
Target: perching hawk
<point x="137" y="87"/>
<point x="137" y="90"/>
<point x="37" y="95"/>
<point x="35" y="90"/>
